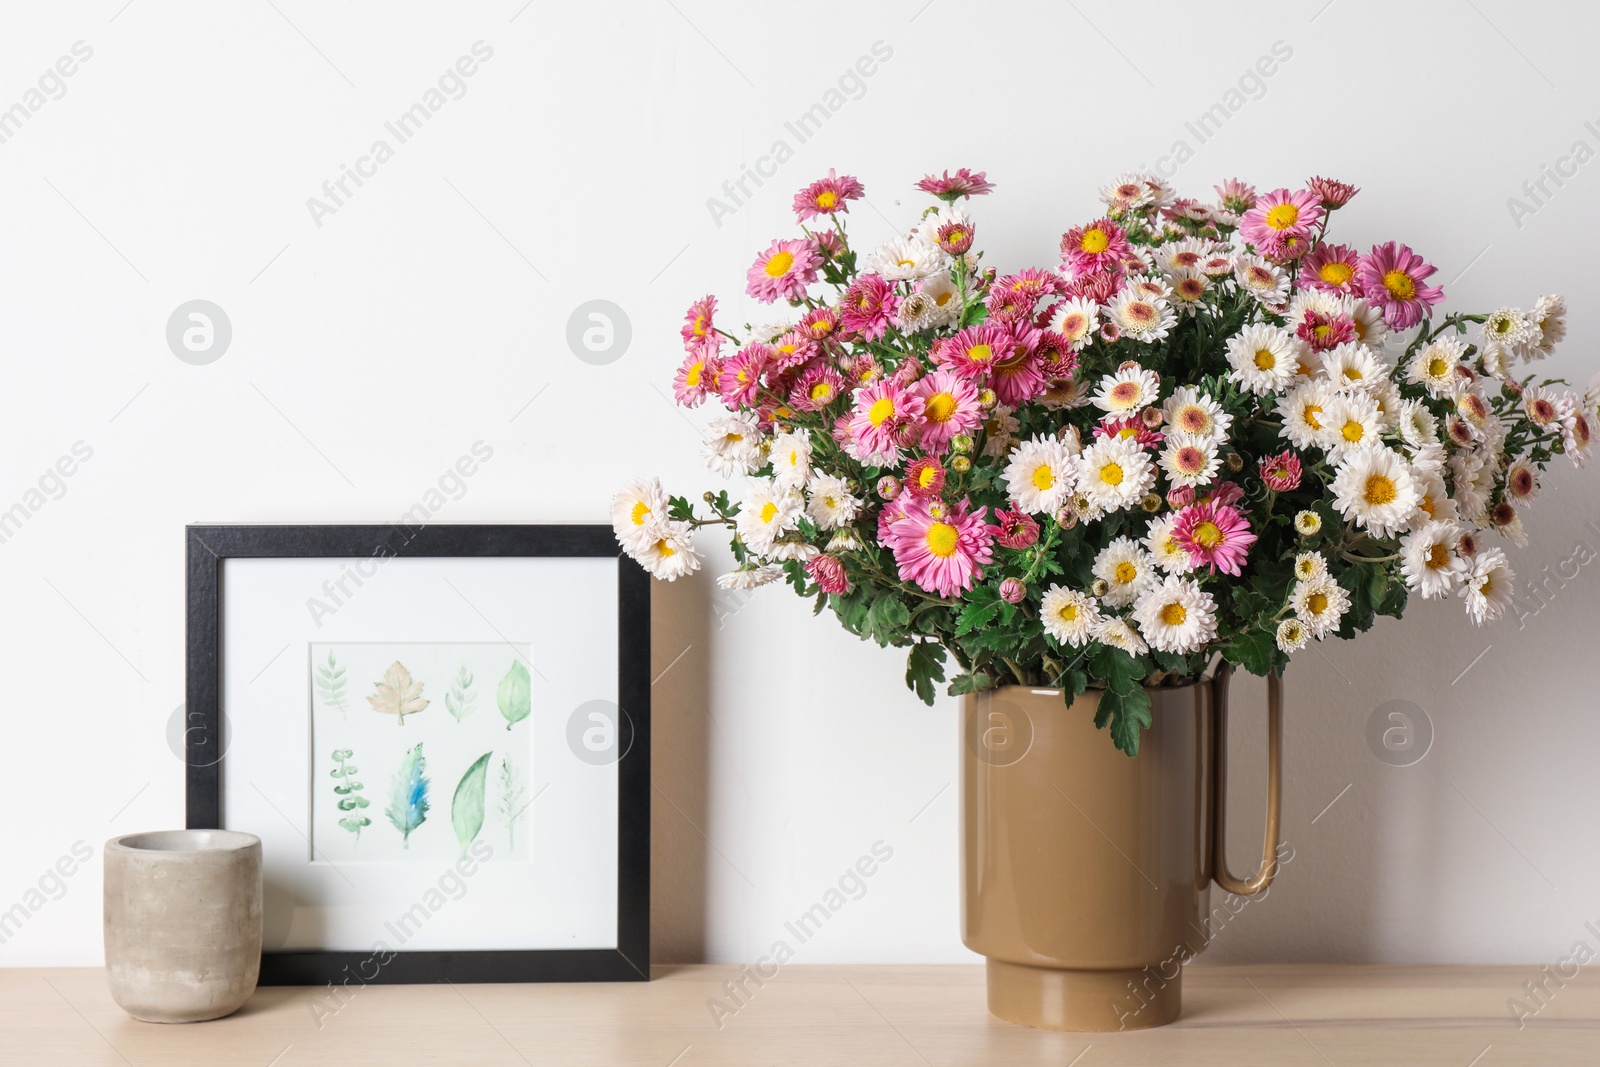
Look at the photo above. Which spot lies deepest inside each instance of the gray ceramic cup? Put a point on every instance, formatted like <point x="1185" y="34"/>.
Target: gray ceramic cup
<point x="182" y="923"/>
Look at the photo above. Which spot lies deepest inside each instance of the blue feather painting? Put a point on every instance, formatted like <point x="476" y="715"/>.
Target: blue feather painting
<point x="408" y="797"/>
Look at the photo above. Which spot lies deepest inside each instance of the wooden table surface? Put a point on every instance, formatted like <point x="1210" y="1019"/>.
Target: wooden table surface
<point x="926" y="1016"/>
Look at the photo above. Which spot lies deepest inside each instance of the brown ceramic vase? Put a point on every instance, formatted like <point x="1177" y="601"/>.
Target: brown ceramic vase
<point x="1086" y="873"/>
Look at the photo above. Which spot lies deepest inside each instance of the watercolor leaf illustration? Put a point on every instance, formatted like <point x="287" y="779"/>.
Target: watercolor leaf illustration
<point x="330" y="683"/>
<point x="515" y="695"/>
<point x="349" y="791"/>
<point x="462" y="698"/>
<point x="512" y="806"/>
<point x="408" y="797"/>
<point x="466" y="807"/>
<point x="397" y="694"/>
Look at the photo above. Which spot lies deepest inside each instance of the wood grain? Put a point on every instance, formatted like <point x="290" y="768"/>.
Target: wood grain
<point x="929" y="1016"/>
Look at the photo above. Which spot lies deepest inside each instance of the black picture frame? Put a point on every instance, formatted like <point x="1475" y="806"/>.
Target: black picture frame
<point x="209" y="545"/>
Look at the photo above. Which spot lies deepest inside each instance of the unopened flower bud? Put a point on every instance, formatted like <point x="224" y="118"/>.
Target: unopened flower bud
<point x="710" y="497"/>
<point x="1151" y="502"/>
<point x="1100" y="587"/>
<point x="1012" y="591"/>
<point x="961" y="444"/>
<point x="1152" y="418"/>
<point x="987" y="399"/>
<point x="960" y="464"/>
<point x="888" y="487"/>
<point x="1235" y="461"/>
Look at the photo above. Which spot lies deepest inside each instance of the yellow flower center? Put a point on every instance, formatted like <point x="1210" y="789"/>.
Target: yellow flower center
<point x="1438" y="556"/>
<point x="1309" y="413"/>
<point x="1043" y="477"/>
<point x="665" y="549"/>
<point x="827" y="199"/>
<point x="1437" y="367"/>
<point x="940" y="407"/>
<point x="1111" y="474"/>
<point x="768" y="510"/>
<point x="1174" y="614"/>
<point x="881" y="410"/>
<point x="1068" y="613"/>
<point x="1400" y="285"/>
<point x="821" y="391"/>
<point x="1353" y="431"/>
<point x="733" y="438"/>
<point x="944" y="298"/>
<point x="1335" y="273"/>
<point x="1195" y="420"/>
<point x="779" y="264"/>
<point x="980" y="353"/>
<point x="641" y="512"/>
<point x="1265" y="360"/>
<point x="1125" y="392"/>
<point x="699" y="325"/>
<point x="942" y="539"/>
<point x="1095" y="241"/>
<point x="692" y="377"/>
<point x="927" y="476"/>
<point x="1380" y="490"/>
<point x="1283" y="216"/>
<point x="1126" y="572"/>
<point x="1207" y="535"/>
<point x="1317" y="603"/>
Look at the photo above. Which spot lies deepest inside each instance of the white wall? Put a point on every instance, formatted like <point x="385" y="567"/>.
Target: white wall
<point x="371" y="352"/>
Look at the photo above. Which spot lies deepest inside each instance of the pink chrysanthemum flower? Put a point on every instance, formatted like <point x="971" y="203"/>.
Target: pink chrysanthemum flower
<point x="1215" y="535"/>
<point x="1281" y="222"/>
<point x="818" y="386"/>
<point x="1057" y="357"/>
<point x="792" y="350"/>
<point x="867" y="309"/>
<point x="861" y="369"/>
<point x="1095" y="248"/>
<point x="694" y="380"/>
<point x="973" y="352"/>
<point x="1032" y="281"/>
<point x="827" y="196"/>
<point x="883" y="418"/>
<point x="828" y="245"/>
<point x="954" y="238"/>
<point x="819" y="323"/>
<point x="739" y="377"/>
<point x="697" y="322"/>
<point x="1131" y="426"/>
<point x="1095" y="288"/>
<point x="1008" y="306"/>
<point x="783" y="271"/>
<point x="1018" y="380"/>
<point x="1325" y="332"/>
<point x="952" y="187"/>
<point x="829" y="574"/>
<point x="1237" y="196"/>
<point x="941" y="547"/>
<point x="925" y="477"/>
<point x="1333" y="194"/>
<point x="1281" y="472"/>
<point x="1017" y="529"/>
<point x="949" y="407"/>
<point x="1224" y="493"/>
<point x="1331" y="268"/>
<point x="1391" y="276"/>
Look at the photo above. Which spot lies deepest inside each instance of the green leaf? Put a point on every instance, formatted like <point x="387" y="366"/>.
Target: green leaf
<point x="1128" y="713"/>
<point x="982" y="605"/>
<point x="925" y="666"/>
<point x="466" y="807"/>
<point x="889" y="618"/>
<point x="975" y="682"/>
<point x="515" y="695"/>
<point x="1252" y="650"/>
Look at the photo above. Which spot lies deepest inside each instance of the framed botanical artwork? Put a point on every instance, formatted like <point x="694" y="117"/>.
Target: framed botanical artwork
<point x="441" y="735"/>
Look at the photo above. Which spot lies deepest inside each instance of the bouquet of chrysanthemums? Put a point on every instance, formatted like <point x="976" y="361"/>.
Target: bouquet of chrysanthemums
<point x="1208" y="429"/>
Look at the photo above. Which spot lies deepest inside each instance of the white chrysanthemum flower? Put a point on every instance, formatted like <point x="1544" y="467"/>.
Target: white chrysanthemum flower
<point x="1115" y="473"/>
<point x="1264" y="358"/>
<point x="1127" y="191"/>
<point x="1471" y="482"/>
<point x="733" y="445"/>
<point x="750" y="576"/>
<point x="934" y="221"/>
<point x="791" y="458"/>
<point x="1292" y="635"/>
<point x="905" y="260"/>
<point x="917" y="312"/>
<point x="1040" y="475"/>
<point x="1265" y="281"/>
<point x="1130" y="389"/>
<point x="636" y="511"/>
<point x="1352" y="422"/>
<point x="1320" y="604"/>
<point x="1522" y="480"/>
<point x="1432" y="500"/>
<point x="1549" y="314"/>
<point x="1434" y="367"/>
<point x="668" y="551"/>
<point x="1353" y="366"/>
<point x="1416" y="424"/>
<point x="1189" y="460"/>
<point x="1304" y="411"/>
<point x="1176" y="615"/>
<point x="944" y="297"/>
<point x="1429" y="456"/>
<point x="1509" y="330"/>
<point x="1309" y="565"/>
<point x="768" y="512"/>
<point x="845" y="540"/>
<point x="1386" y="395"/>
<point x="1190" y="253"/>
<point x="1140" y="316"/>
<point x="1307" y="523"/>
<point x="1487" y="588"/>
<point x="793" y="550"/>
<point x="1189" y="289"/>
<point x="999" y="430"/>
<point x="1126" y="568"/>
<point x="1304" y="302"/>
<point x="768" y="332"/>
<point x="1068" y="615"/>
<point x="1367" y="321"/>
<point x="1168" y="553"/>
<point x="1076" y="320"/>
<point x="1430" y="559"/>
<point x="1117" y="633"/>
<point x="1190" y="411"/>
<point x="1373" y="486"/>
<point x="830" y="503"/>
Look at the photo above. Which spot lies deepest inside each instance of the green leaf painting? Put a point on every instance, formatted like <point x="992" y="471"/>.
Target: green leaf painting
<point x="349" y="791"/>
<point x="515" y="695"/>
<point x="397" y="694"/>
<point x="466" y="807"/>
<point x="462" y="697"/>
<point x="512" y="805"/>
<point x="408" y="796"/>
<point x="330" y="684"/>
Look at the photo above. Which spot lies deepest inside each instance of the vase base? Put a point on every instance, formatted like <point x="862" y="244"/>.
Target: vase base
<point x="1094" y="1001"/>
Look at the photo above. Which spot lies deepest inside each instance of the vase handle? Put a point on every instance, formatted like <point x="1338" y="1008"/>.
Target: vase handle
<point x="1269" y="853"/>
